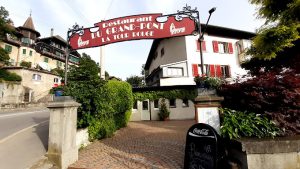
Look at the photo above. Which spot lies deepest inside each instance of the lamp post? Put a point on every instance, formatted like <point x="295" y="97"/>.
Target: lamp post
<point x="201" y="34"/>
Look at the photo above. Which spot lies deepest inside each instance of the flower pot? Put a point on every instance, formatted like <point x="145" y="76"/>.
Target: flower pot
<point x="58" y="93"/>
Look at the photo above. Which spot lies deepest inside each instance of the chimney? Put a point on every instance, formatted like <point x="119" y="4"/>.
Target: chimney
<point x="52" y="31"/>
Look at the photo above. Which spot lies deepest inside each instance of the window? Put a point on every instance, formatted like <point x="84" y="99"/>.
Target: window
<point x="36" y="77"/>
<point x="8" y="48"/>
<point x="46" y="59"/>
<point x="175" y="71"/>
<point x="24" y="51"/>
<point x="55" y="80"/>
<point x="156" y="104"/>
<point x="58" y="63"/>
<point x="145" y="105"/>
<point x="25" y="40"/>
<point x="222" y="47"/>
<point x="185" y="103"/>
<point x="172" y="103"/>
<point x="222" y="71"/>
<point x="30" y="53"/>
<point x="135" y="105"/>
<point x="162" y="52"/>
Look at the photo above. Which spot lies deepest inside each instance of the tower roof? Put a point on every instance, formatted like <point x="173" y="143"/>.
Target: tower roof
<point x="29" y="23"/>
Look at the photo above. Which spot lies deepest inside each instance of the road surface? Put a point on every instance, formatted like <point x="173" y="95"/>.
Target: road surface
<point x="23" y="137"/>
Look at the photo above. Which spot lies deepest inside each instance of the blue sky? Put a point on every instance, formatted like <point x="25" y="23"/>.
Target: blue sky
<point x="125" y="58"/>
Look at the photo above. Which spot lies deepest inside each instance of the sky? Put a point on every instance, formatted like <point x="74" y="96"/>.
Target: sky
<point x="124" y="59"/>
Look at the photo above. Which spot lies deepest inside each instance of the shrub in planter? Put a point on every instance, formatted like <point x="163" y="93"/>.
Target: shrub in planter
<point x="164" y="113"/>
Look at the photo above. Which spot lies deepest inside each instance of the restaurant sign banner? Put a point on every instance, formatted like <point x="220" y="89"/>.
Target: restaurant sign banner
<point x="145" y="26"/>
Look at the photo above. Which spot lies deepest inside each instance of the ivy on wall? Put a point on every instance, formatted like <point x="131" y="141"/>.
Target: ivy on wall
<point x="169" y="94"/>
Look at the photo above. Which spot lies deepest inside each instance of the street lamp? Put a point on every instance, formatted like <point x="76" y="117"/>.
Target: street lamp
<point x="201" y="36"/>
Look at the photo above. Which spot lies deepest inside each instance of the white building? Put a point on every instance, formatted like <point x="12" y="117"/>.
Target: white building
<point x="176" y="61"/>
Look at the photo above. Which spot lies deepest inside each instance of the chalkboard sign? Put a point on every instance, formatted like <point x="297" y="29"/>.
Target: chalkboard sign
<point x="201" y="147"/>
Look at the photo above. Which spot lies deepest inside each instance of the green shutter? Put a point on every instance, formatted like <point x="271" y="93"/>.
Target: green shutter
<point x="8" y="48"/>
<point x="24" y="51"/>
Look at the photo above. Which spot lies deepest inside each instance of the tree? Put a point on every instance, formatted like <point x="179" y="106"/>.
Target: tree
<point x="280" y="30"/>
<point x="135" y="81"/>
<point x="4" y="30"/>
<point x="87" y="70"/>
<point x="274" y="87"/>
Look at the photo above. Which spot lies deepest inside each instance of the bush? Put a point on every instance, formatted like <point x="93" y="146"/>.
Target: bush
<point x="164" y="113"/>
<point x="272" y="94"/>
<point x="7" y="76"/>
<point x="213" y="82"/>
<point x="25" y="64"/>
<point x="105" y="105"/>
<point x="236" y="124"/>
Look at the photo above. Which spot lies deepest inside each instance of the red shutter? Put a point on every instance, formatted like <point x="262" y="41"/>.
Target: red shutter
<point x="230" y="48"/>
<point x="203" y="46"/>
<point x="218" y="67"/>
<point x="195" y="70"/>
<point x="198" y="46"/>
<point x="215" y="46"/>
<point x="212" y="70"/>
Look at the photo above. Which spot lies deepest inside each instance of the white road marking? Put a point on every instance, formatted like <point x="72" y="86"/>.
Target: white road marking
<point x="19" y="114"/>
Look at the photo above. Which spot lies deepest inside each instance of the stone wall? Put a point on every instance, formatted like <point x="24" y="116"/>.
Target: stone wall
<point x="277" y="153"/>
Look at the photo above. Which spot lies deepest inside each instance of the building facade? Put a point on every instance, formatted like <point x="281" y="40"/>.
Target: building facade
<point x="176" y="61"/>
<point x="41" y="53"/>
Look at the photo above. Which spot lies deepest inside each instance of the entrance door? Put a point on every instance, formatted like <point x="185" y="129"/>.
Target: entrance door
<point x="145" y="110"/>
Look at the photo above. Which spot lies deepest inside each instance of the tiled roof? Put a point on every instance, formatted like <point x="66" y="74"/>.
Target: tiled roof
<point x="29" y="23"/>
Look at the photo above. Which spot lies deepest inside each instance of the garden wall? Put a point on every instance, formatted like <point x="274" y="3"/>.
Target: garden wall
<point x="277" y="153"/>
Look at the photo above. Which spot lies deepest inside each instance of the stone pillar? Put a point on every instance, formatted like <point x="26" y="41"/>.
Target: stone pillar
<point x="62" y="150"/>
<point x="207" y="105"/>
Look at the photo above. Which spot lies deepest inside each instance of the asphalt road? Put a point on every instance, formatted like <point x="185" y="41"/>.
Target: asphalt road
<point x="23" y="137"/>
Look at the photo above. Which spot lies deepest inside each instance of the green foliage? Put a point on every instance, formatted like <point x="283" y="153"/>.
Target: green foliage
<point x="87" y="70"/>
<point x="105" y="105"/>
<point x="135" y="81"/>
<point x="25" y="64"/>
<point x="208" y="82"/>
<point x="169" y="94"/>
<point x="4" y="23"/>
<point x="281" y="29"/>
<point x="213" y="82"/>
<point x="164" y="113"/>
<point x="269" y="42"/>
<point x="7" y="76"/>
<point x="4" y="30"/>
<point x="58" y="71"/>
<point x="119" y="96"/>
<point x="236" y="124"/>
<point x="4" y="57"/>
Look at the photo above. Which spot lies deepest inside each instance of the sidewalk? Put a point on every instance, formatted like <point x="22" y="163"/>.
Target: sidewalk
<point x="152" y="144"/>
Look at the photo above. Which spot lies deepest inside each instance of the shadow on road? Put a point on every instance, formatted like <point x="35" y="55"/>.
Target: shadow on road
<point x="42" y="130"/>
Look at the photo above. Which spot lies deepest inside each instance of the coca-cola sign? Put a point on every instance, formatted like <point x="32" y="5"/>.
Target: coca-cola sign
<point x="146" y="26"/>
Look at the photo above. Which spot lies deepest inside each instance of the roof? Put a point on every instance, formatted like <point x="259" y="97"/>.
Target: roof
<point x="210" y="30"/>
<point x="28" y="25"/>
<point x="56" y="37"/>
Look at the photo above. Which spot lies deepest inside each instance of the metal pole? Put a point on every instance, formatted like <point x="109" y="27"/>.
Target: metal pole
<point x="66" y="63"/>
<point x="201" y="34"/>
<point x="200" y="43"/>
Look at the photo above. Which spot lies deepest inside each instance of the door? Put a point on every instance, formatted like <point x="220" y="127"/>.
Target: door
<point x="145" y="110"/>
